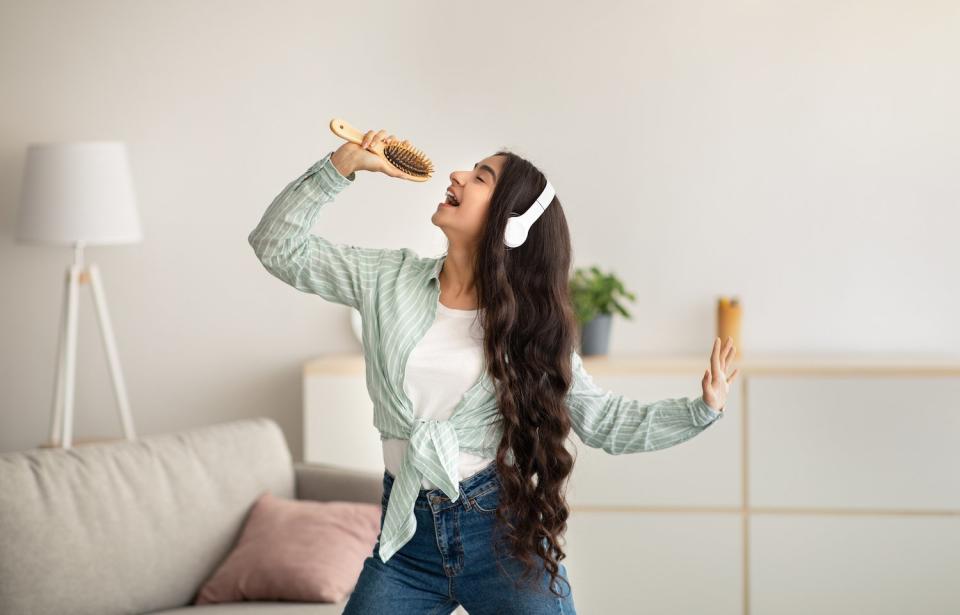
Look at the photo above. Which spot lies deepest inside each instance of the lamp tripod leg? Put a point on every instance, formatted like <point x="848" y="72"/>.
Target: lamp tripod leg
<point x="70" y="360"/>
<point x="106" y="330"/>
<point x="56" y="414"/>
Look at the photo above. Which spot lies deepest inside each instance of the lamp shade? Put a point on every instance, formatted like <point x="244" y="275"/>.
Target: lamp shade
<point x="78" y="192"/>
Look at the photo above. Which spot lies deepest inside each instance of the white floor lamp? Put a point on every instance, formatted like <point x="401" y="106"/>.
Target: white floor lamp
<point x="79" y="194"/>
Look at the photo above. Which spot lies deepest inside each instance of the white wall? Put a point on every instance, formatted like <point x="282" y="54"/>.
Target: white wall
<point x="802" y="155"/>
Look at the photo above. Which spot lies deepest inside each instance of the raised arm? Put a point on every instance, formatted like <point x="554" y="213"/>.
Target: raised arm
<point x="618" y="425"/>
<point x="282" y="241"/>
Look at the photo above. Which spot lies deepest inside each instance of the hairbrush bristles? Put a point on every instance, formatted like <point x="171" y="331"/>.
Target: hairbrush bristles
<point x="407" y="159"/>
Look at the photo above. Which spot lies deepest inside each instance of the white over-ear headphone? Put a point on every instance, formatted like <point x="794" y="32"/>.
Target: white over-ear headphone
<point x="519" y="225"/>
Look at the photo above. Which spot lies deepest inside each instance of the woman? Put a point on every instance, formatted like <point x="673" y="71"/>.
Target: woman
<point x="475" y="382"/>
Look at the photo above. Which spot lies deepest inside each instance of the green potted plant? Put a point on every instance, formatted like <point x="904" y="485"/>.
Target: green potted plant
<point x="596" y="297"/>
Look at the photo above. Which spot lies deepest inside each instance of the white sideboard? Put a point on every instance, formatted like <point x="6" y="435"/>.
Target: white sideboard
<point x="832" y="485"/>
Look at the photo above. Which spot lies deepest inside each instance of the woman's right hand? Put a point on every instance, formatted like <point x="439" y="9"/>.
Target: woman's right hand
<point x="358" y="157"/>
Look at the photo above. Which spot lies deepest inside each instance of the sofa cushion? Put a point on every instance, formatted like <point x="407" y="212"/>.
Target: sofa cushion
<point x="296" y="551"/>
<point x="129" y="527"/>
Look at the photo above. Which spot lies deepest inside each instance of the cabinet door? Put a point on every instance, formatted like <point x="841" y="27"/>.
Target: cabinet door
<point x="889" y="443"/>
<point x="668" y="564"/>
<point x="836" y="565"/>
<point x="847" y="477"/>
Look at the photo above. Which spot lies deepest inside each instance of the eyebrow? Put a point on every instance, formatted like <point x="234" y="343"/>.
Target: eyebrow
<point x="486" y="168"/>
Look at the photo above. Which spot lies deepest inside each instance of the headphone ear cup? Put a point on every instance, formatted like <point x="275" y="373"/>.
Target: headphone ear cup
<point x="515" y="233"/>
<point x="518" y="226"/>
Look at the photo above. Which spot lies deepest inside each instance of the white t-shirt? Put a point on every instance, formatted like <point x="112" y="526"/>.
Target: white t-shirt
<point x="440" y="369"/>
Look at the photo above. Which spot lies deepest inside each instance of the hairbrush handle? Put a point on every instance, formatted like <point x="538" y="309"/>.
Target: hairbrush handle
<point x="343" y="129"/>
<point x="406" y="159"/>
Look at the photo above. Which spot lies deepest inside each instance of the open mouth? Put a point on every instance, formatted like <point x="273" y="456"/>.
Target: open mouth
<point x="450" y="200"/>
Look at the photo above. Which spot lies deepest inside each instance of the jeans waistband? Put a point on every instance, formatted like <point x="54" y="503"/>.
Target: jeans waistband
<point x="475" y="484"/>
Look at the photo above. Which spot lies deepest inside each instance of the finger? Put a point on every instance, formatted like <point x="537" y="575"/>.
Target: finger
<point x="705" y="381"/>
<point x="715" y="356"/>
<point x="367" y="138"/>
<point x="729" y="353"/>
<point x="731" y="350"/>
<point x="377" y="138"/>
<point x="733" y="375"/>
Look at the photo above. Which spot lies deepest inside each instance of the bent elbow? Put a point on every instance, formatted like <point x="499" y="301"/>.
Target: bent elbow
<point x="252" y="240"/>
<point x="261" y="247"/>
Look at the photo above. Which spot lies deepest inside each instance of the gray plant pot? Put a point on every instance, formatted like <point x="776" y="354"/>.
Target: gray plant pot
<point x="595" y="335"/>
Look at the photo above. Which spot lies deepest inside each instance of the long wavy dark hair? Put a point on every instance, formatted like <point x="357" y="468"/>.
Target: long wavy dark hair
<point x="529" y="334"/>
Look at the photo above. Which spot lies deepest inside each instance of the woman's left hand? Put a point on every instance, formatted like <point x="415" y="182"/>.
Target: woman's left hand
<point x="715" y="382"/>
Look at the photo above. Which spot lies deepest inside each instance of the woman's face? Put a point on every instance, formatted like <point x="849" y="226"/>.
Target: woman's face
<point x="473" y="189"/>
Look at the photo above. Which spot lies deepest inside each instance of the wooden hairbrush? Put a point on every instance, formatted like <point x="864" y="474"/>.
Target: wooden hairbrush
<point x="408" y="160"/>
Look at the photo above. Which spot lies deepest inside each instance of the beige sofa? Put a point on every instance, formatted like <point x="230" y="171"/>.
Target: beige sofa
<point x="137" y="527"/>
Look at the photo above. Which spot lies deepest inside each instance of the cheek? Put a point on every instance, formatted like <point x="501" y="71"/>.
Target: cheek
<point x="476" y="216"/>
<point x="477" y="209"/>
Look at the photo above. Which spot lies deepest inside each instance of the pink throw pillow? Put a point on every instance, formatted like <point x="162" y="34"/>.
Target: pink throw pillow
<point x="296" y="550"/>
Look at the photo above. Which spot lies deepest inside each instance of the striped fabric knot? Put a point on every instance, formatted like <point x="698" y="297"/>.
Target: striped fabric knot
<point x="435" y="452"/>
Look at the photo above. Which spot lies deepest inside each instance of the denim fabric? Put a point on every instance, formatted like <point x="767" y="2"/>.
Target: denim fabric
<point x="451" y="561"/>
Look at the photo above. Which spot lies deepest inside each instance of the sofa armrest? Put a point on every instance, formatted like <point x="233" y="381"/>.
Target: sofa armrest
<point x="324" y="482"/>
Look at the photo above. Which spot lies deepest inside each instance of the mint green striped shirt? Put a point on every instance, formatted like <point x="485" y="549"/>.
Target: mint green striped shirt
<point x="396" y="292"/>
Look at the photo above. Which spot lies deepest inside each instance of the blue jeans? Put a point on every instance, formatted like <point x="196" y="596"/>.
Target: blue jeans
<point x="451" y="561"/>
